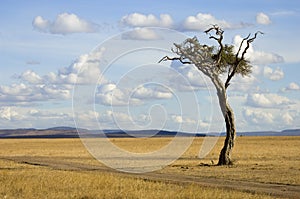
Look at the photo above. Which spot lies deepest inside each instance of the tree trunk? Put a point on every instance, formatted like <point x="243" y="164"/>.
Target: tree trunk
<point x="225" y="154"/>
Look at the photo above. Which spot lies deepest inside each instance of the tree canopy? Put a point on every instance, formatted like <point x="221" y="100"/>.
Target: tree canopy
<point x="215" y="60"/>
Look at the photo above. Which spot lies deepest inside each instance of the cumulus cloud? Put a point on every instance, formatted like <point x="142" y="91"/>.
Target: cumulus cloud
<point x="243" y="84"/>
<point x="262" y="18"/>
<point x="143" y="93"/>
<point x="48" y="115"/>
<point x="37" y="117"/>
<point x="141" y="20"/>
<point x="7" y="113"/>
<point x="273" y="75"/>
<point x="84" y="70"/>
<point x="64" y="23"/>
<point x="179" y="119"/>
<point x="141" y="34"/>
<point x="268" y="100"/>
<point x="189" y="124"/>
<point x="29" y="93"/>
<point x="203" y="21"/>
<point x="26" y="117"/>
<point x="257" y="57"/>
<point x="55" y="85"/>
<point x="31" y="77"/>
<point x="107" y="119"/>
<point x="33" y="92"/>
<point x="292" y="87"/>
<point x="112" y="116"/>
<point x="110" y="94"/>
<point x="287" y="118"/>
<point x="258" y="116"/>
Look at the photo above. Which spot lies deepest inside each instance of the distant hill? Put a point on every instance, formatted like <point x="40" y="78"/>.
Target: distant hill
<point x="287" y="132"/>
<point x="71" y="132"/>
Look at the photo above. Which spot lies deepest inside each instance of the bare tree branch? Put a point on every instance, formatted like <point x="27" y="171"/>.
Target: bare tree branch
<point x="248" y="43"/>
<point x="240" y="47"/>
<point x="219" y="32"/>
<point x="239" y="60"/>
<point x="166" y="58"/>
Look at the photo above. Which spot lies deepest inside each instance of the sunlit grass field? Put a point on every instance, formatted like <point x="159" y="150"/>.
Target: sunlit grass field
<point x="258" y="159"/>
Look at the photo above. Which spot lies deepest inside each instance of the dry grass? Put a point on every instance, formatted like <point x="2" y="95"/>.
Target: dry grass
<point x="19" y="181"/>
<point x="263" y="159"/>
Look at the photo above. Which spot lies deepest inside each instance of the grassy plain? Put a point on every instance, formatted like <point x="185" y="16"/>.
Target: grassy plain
<point x="257" y="159"/>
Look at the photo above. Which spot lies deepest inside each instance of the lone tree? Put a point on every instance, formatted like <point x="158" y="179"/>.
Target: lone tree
<point x="213" y="62"/>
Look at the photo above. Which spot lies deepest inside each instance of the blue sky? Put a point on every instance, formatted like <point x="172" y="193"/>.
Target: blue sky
<point x="100" y="50"/>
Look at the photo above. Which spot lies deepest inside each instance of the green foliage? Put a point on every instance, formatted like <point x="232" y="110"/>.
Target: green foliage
<point x="212" y="59"/>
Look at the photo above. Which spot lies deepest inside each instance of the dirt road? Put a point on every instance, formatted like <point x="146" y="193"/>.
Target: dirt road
<point x="276" y="190"/>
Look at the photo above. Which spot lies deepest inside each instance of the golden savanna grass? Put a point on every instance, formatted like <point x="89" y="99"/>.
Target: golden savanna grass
<point x="263" y="159"/>
<point x="32" y="182"/>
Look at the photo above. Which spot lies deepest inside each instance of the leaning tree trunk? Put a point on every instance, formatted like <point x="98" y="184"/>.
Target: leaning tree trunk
<point x="225" y="154"/>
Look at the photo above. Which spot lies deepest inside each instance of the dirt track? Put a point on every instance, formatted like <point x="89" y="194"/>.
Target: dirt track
<point x="277" y="190"/>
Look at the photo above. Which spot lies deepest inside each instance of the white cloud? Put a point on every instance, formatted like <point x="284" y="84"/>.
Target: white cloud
<point x="45" y="114"/>
<point x="128" y="121"/>
<point x="146" y="93"/>
<point x="141" y="20"/>
<point x="7" y="113"/>
<point x="258" y="116"/>
<point x="274" y="75"/>
<point x="55" y="92"/>
<point x="14" y="89"/>
<point x="110" y="94"/>
<point x="25" y="117"/>
<point x="179" y="119"/>
<point x="122" y="120"/>
<point x="203" y="21"/>
<point x="31" y="77"/>
<point x="267" y="100"/>
<point x="28" y="117"/>
<point x="141" y="34"/>
<point x="41" y="24"/>
<point x="113" y="116"/>
<point x="190" y="125"/>
<point x="29" y="93"/>
<point x="55" y="86"/>
<point x="243" y="84"/>
<point x="64" y="23"/>
<point x="257" y="57"/>
<point x="292" y="87"/>
<point x="287" y="118"/>
<point x="262" y="18"/>
<point x="84" y="70"/>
